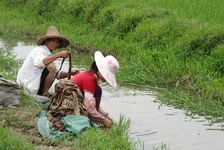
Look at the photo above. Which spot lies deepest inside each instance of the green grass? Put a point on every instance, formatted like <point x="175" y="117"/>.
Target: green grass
<point x="8" y="66"/>
<point x="172" y="44"/>
<point x="203" y="10"/>
<point x="115" y="138"/>
<point x="24" y="120"/>
<point x="175" y="44"/>
<point x="12" y="141"/>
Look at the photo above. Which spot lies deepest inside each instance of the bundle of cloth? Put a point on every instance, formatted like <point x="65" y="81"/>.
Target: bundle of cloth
<point x="9" y="93"/>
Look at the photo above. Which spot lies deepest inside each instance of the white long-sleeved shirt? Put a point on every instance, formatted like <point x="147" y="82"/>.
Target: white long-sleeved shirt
<point x="30" y="73"/>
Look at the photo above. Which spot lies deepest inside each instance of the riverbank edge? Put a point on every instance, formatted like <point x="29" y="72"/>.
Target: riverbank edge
<point x="180" y="92"/>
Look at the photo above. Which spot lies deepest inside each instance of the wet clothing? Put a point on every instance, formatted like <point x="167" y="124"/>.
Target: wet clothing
<point x="67" y="100"/>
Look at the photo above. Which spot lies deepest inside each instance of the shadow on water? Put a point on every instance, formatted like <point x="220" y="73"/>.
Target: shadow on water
<point x="151" y="122"/>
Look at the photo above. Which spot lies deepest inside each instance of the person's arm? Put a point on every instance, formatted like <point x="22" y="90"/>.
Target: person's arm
<point x="64" y="74"/>
<point x="53" y="57"/>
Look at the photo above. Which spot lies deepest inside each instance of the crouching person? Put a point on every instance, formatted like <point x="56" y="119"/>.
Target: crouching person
<point x="39" y="70"/>
<point x="104" y="69"/>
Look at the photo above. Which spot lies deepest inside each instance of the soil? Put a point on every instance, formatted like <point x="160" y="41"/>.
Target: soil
<point x="23" y="120"/>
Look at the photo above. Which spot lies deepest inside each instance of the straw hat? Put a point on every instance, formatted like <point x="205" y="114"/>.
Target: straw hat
<point x="107" y="66"/>
<point x="53" y="32"/>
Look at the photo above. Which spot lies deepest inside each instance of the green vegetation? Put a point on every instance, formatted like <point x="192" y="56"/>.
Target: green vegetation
<point x="173" y="44"/>
<point x="205" y="11"/>
<point x="115" y="138"/>
<point x="10" y="140"/>
<point x="8" y="66"/>
<point x="158" y="43"/>
<point x="23" y="120"/>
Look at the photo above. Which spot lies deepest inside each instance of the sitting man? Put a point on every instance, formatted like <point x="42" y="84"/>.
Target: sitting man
<point x="39" y="70"/>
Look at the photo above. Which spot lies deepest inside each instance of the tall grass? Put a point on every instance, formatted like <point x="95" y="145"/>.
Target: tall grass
<point x="8" y="66"/>
<point x="203" y="10"/>
<point x="115" y="138"/>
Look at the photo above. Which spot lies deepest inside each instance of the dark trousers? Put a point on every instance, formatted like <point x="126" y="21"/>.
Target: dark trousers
<point x="42" y="79"/>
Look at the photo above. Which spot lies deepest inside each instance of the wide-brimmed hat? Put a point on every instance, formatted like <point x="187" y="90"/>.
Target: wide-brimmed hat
<point x="53" y="32"/>
<point x="107" y="66"/>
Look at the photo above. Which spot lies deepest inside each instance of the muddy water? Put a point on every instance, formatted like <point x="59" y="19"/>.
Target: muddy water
<point x="151" y="123"/>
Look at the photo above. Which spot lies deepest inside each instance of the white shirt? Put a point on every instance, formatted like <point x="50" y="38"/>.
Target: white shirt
<point x="30" y="73"/>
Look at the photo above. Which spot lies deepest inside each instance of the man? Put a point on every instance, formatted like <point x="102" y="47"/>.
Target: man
<point x="39" y="70"/>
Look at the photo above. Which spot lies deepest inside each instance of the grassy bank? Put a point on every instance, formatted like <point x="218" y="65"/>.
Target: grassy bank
<point x="23" y="133"/>
<point x="11" y="140"/>
<point x="18" y="127"/>
<point x="172" y="44"/>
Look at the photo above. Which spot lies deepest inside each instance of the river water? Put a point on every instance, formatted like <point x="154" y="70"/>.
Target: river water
<point x="153" y="124"/>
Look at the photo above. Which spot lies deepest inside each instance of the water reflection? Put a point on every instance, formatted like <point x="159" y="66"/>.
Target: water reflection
<point x="9" y="44"/>
<point x="154" y="125"/>
<point x="151" y="122"/>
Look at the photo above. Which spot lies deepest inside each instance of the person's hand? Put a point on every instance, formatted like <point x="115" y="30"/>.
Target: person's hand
<point x="108" y="117"/>
<point x="107" y="123"/>
<point x="63" y="54"/>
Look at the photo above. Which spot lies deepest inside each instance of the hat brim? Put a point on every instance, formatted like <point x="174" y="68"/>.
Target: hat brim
<point x="64" y="42"/>
<point x="102" y="67"/>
